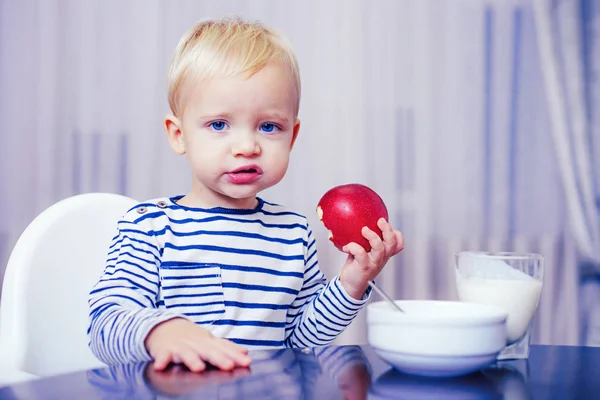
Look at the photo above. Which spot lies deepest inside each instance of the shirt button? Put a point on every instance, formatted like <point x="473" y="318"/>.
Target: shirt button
<point x="142" y="210"/>
<point x="162" y="204"/>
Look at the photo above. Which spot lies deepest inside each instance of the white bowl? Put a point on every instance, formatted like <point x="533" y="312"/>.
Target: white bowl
<point x="436" y="338"/>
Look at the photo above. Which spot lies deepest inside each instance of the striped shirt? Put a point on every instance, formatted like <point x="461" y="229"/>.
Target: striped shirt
<point x="249" y="275"/>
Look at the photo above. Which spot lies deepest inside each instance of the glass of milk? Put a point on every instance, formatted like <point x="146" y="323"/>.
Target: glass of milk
<point x="512" y="281"/>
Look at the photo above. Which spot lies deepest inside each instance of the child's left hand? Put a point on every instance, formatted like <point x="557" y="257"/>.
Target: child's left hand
<point x="362" y="267"/>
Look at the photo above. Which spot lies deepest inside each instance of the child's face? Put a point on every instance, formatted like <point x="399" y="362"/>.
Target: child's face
<point x="238" y="133"/>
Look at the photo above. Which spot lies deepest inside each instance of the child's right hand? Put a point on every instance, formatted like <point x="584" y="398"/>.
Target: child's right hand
<point x="181" y="341"/>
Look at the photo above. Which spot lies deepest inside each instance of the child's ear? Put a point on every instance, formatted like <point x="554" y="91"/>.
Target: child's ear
<point x="295" y="133"/>
<point x="174" y="133"/>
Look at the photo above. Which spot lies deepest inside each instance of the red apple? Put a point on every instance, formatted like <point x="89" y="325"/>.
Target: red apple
<point x="346" y="209"/>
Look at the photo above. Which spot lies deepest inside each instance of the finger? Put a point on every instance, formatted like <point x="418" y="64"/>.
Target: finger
<point x="192" y="360"/>
<point x="373" y="238"/>
<point x="237" y="353"/>
<point x="377" y="246"/>
<point x="389" y="237"/>
<point x="358" y="252"/>
<point x="162" y="360"/>
<point x="217" y="357"/>
<point x="399" y="241"/>
<point x="234" y="346"/>
<point x="386" y="229"/>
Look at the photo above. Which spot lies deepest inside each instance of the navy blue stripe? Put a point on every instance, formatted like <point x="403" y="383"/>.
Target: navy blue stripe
<point x="235" y="251"/>
<point x="148" y="271"/>
<point x="136" y="286"/>
<point x="181" y="265"/>
<point x="296" y="305"/>
<point x="122" y="296"/>
<point x="320" y="332"/>
<point x="105" y="318"/>
<point x="141" y="242"/>
<point x="126" y="253"/>
<point x="216" y="210"/>
<point x="256" y="342"/>
<point x="225" y="233"/>
<point x="321" y="281"/>
<point x="311" y="266"/>
<point x="514" y="113"/>
<point x="218" y="218"/>
<point x="203" y="285"/>
<point x="327" y="319"/>
<point x="235" y="322"/>
<point x="306" y="296"/>
<point x="487" y="118"/>
<point x="136" y="249"/>
<point x="93" y="302"/>
<point x="317" y="272"/>
<point x="126" y="271"/>
<point x="281" y="213"/>
<point x="114" y="244"/>
<point x="337" y="308"/>
<point x="169" y="278"/>
<point x="302" y="329"/>
<point x="136" y="231"/>
<point x="292" y="323"/>
<point x="296" y="335"/>
<point x="262" y="270"/>
<point x="311" y="256"/>
<point x="256" y="305"/>
<point x="95" y="311"/>
<point x="117" y="348"/>
<point x="311" y="244"/>
<point x="211" y="303"/>
<point x="199" y="314"/>
<point x="354" y="303"/>
<point x="320" y="300"/>
<point x="131" y="338"/>
<point x="176" y="296"/>
<point x="271" y="204"/>
<point x="262" y="288"/>
<point x="244" y="268"/>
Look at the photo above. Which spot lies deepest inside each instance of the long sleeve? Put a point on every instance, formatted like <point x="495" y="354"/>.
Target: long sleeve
<point x="322" y="310"/>
<point x="123" y="304"/>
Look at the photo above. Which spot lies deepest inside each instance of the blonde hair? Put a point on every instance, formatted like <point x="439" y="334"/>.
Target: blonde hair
<point x="226" y="48"/>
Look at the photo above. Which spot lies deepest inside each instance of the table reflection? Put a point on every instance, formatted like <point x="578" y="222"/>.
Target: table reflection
<point x="286" y="373"/>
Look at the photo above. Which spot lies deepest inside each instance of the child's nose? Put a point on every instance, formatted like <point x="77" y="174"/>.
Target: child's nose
<point x="245" y="145"/>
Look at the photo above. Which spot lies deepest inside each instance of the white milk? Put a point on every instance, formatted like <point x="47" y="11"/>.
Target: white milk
<point x="519" y="297"/>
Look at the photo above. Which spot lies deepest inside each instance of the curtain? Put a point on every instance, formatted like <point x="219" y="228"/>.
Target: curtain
<point x="569" y="43"/>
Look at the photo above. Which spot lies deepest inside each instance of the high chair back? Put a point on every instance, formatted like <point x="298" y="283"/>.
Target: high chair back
<point x="52" y="268"/>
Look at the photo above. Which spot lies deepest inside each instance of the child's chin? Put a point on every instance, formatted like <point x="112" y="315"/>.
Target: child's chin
<point x="249" y="191"/>
<point x="243" y="196"/>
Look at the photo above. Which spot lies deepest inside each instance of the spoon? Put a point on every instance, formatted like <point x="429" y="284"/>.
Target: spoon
<point x="380" y="292"/>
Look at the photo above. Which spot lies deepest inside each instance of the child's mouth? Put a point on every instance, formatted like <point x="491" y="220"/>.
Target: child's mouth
<point x="246" y="174"/>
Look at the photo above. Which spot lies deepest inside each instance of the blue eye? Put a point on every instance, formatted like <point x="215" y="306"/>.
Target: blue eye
<point x="267" y="127"/>
<point x="218" y="125"/>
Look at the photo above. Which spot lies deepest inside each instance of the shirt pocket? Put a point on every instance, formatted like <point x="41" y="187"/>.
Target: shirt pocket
<point x="194" y="290"/>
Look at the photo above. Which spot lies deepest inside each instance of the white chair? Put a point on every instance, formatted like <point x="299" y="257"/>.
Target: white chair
<point x="53" y="266"/>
